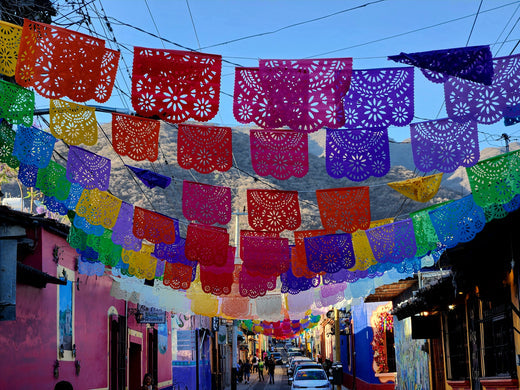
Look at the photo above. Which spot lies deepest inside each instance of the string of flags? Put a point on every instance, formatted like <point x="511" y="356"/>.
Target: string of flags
<point x="287" y="100"/>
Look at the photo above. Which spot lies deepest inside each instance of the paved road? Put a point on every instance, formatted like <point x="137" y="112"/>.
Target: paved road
<point x="280" y="381"/>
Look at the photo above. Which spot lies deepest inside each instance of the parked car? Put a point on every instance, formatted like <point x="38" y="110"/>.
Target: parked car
<point x="311" y="378"/>
<point x="295" y="360"/>
<point x="302" y="364"/>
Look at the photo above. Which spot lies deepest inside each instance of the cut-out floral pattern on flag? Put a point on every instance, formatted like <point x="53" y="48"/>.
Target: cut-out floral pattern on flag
<point x="10" y="35"/>
<point x="73" y="123"/>
<point x="218" y="280"/>
<point x="466" y="100"/>
<point x="329" y="253"/>
<point x="33" y="146"/>
<point x="176" y="85"/>
<point x="302" y="94"/>
<point x="172" y="253"/>
<point x="295" y="285"/>
<point x="255" y="286"/>
<point x="58" y="62"/>
<point x="153" y="226"/>
<point x="63" y="206"/>
<point x="122" y="233"/>
<point x="107" y="77"/>
<point x="27" y="174"/>
<point x="207" y="244"/>
<point x="347" y="209"/>
<point x="7" y="137"/>
<point x="99" y="207"/>
<point x="205" y="203"/>
<point x="473" y="63"/>
<point x="420" y="189"/>
<point x="394" y="242"/>
<point x="299" y="257"/>
<point x="495" y="180"/>
<point x="140" y="264"/>
<point x="205" y="148"/>
<point x="88" y="169"/>
<point x="279" y="153"/>
<point x="16" y="104"/>
<point x="357" y="154"/>
<point x="273" y="210"/>
<point x="444" y="145"/>
<point x="362" y="250"/>
<point x="135" y="137"/>
<point x="177" y="275"/>
<point x="458" y="221"/>
<point x="264" y="255"/>
<point x="511" y="115"/>
<point x="149" y="178"/>
<point x="51" y="181"/>
<point x="380" y="98"/>
<point x="425" y="236"/>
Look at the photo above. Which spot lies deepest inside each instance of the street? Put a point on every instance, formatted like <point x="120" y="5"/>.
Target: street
<point x="280" y="381"/>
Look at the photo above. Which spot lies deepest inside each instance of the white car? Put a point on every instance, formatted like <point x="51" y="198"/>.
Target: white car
<point x="311" y="378"/>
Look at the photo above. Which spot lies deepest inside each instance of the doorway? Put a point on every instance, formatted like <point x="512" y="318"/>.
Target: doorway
<point x="134" y="367"/>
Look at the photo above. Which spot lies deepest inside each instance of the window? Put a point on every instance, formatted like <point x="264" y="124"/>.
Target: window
<point x="455" y="344"/>
<point x="66" y="344"/>
<point x="497" y="343"/>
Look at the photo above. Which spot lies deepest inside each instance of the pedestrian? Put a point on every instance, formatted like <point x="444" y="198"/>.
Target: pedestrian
<point x="247" y="371"/>
<point x="63" y="385"/>
<point x="270" y="370"/>
<point x="254" y="363"/>
<point x="240" y="371"/>
<point x="148" y="382"/>
<point x="260" y="370"/>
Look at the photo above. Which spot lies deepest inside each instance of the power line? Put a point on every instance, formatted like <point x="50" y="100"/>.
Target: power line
<point x="292" y="25"/>
<point x="474" y="21"/>
<point x="193" y="23"/>
<point x="410" y="32"/>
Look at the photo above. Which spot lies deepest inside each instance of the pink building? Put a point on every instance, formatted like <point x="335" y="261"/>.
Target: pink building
<point x="57" y="324"/>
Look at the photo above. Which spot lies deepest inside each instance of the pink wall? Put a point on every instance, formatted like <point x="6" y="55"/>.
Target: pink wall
<point x="28" y="346"/>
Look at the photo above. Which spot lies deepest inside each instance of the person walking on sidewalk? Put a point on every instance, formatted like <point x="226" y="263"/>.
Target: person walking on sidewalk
<point x="260" y="370"/>
<point x="270" y="370"/>
<point x="254" y="363"/>
<point x="247" y="371"/>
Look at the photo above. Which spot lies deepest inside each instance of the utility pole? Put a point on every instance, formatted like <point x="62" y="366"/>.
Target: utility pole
<point x="506" y="138"/>
<point x="337" y="342"/>
<point x="234" y="343"/>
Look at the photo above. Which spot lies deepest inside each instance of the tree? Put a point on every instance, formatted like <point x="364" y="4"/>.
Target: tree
<point x="14" y="11"/>
<point x="7" y="175"/>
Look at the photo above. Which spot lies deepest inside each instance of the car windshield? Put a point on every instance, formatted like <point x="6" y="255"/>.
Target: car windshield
<point x="303" y="367"/>
<point x="308" y="375"/>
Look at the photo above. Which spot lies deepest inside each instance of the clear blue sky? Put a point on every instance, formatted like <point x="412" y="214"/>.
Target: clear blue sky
<point x="368" y="34"/>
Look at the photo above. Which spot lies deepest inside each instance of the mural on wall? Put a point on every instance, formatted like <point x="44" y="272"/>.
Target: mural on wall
<point x="65" y="315"/>
<point x="162" y="332"/>
<point x="412" y="361"/>
<point x="382" y="324"/>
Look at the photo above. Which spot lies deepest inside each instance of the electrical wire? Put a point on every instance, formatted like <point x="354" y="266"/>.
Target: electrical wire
<point x="474" y="22"/>
<point x="292" y="25"/>
<point x="193" y="24"/>
<point x="410" y="32"/>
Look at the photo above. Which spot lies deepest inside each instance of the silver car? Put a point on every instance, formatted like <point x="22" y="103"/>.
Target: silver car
<point x="311" y="378"/>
